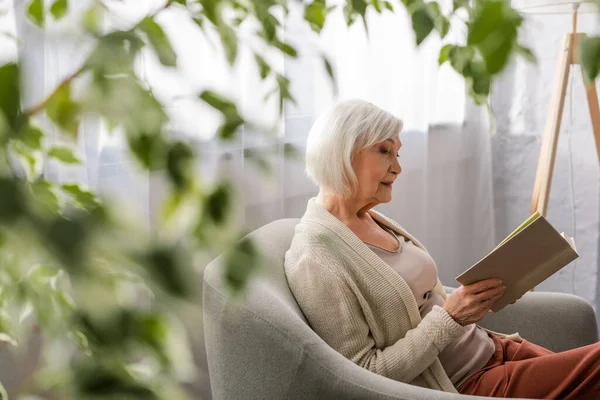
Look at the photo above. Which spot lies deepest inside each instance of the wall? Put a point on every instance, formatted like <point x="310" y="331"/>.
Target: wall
<point x="520" y="102"/>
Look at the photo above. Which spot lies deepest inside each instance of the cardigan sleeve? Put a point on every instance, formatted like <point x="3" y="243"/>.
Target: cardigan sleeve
<point x="334" y="312"/>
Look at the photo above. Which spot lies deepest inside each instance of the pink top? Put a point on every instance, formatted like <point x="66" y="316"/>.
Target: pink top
<point x="468" y="353"/>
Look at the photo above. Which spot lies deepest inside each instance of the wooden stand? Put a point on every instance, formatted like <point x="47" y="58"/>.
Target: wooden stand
<point x="543" y="177"/>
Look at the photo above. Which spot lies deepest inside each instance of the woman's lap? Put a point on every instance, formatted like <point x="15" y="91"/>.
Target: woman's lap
<point x="527" y="370"/>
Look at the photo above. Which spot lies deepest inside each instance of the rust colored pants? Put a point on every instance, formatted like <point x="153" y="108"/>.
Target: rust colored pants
<point x="527" y="370"/>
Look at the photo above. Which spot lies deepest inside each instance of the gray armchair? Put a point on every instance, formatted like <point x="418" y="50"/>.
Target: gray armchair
<point x="260" y="346"/>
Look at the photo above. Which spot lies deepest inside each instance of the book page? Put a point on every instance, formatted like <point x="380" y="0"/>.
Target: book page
<point x="524" y="225"/>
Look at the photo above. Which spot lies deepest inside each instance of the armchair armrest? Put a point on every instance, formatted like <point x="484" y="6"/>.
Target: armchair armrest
<point x="556" y="321"/>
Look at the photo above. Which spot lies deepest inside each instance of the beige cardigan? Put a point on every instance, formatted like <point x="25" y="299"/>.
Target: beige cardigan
<point x="361" y="307"/>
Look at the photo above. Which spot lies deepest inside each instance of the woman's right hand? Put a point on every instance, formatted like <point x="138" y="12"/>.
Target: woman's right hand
<point x="469" y="304"/>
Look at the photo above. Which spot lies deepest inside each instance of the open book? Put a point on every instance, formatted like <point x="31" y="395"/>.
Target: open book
<point x="529" y="255"/>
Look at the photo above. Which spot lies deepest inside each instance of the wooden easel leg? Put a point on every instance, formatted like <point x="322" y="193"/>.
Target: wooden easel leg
<point x="543" y="177"/>
<point x="592" y="97"/>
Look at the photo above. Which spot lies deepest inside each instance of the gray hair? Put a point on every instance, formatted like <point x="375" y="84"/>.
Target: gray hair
<point x="338" y="134"/>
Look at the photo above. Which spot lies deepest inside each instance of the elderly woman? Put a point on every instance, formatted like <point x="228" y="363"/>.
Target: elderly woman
<point x="371" y="290"/>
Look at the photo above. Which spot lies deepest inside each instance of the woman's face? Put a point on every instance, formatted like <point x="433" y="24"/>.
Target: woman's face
<point x="376" y="169"/>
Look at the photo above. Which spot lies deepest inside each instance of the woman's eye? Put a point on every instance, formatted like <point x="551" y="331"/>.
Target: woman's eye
<point x="385" y="151"/>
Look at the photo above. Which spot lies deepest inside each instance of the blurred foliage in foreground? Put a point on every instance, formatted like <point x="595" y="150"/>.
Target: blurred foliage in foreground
<point x="109" y="307"/>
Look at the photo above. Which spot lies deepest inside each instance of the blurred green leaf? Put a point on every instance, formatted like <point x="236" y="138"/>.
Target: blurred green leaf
<point x="63" y="111"/>
<point x="36" y="12"/>
<point x="314" y="14"/>
<point x="11" y="201"/>
<point x="263" y="66"/>
<point x="59" y="9"/>
<point x="239" y="264"/>
<point x="218" y="203"/>
<point x="526" y="52"/>
<point x="493" y="31"/>
<point x="460" y="4"/>
<point x="96" y="381"/>
<point x="84" y="198"/>
<point x="123" y="101"/>
<point x="377" y="6"/>
<point x="589" y="57"/>
<point x="159" y="41"/>
<point x="63" y="154"/>
<point x="389" y="6"/>
<point x="460" y="58"/>
<point x="182" y="2"/>
<point x="44" y="196"/>
<point x="285" y="48"/>
<point x="230" y="42"/>
<point x="148" y="149"/>
<point x="445" y="54"/>
<point x="349" y="14"/>
<point x="478" y="82"/>
<point x="67" y="239"/>
<point x="230" y="127"/>
<point x="219" y="102"/>
<point x="115" y="53"/>
<point x="180" y="159"/>
<point x="233" y="120"/>
<point x="283" y="84"/>
<point x="152" y="330"/>
<point x="31" y="136"/>
<point x="10" y="96"/>
<point x="360" y="6"/>
<point x="169" y="270"/>
<point x="91" y="19"/>
<point x="422" y="23"/>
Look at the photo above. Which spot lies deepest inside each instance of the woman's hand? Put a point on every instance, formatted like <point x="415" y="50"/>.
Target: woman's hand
<point x="469" y="304"/>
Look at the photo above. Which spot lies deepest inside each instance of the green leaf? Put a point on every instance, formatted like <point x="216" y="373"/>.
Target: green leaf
<point x="527" y="53"/>
<point x="459" y="4"/>
<point x="240" y="262"/>
<point x="63" y="154"/>
<point x="159" y="41"/>
<point x="315" y="14"/>
<point x="180" y="159"/>
<point x="460" y="58"/>
<point x="283" y="85"/>
<point x="360" y="6"/>
<point x="389" y="6"/>
<point x="36" y="12"/>
<point x="230" y="42"/>
<point x="377" y="6"/>
<point x="59" y="9"/>
<point x="66" y="237"/>
<point x="263" y="67"/>
<point x="285" y="48"/>
<point x="84" y="198"/>
<point x="219" y="102"/>
<point x="349" y="14"/>
<point x="148" y="149"/>
<point x="422" y="23"/>
<point x="589" y="57"/>
<point x="63" y="111"/>
<point x="169" y="270"/>
<point x="10" y="95"/>
<point x="11" y="201"/>
<point x="230" y="127"/>
<point x="115" y="53"/>
<point x="31" y="136"/>
<point x="182" y="2"/>
<point x="218" y="203"/>
<point x="44" y="196"/>
<point x="445" y="54"/>
<point x="493" y="31"/>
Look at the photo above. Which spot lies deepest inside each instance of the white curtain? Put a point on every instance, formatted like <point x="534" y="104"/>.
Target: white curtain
<point x="444" y="196"/>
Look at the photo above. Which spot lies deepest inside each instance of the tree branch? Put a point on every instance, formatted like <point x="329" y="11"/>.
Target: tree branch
<point x="36" y="109"/>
